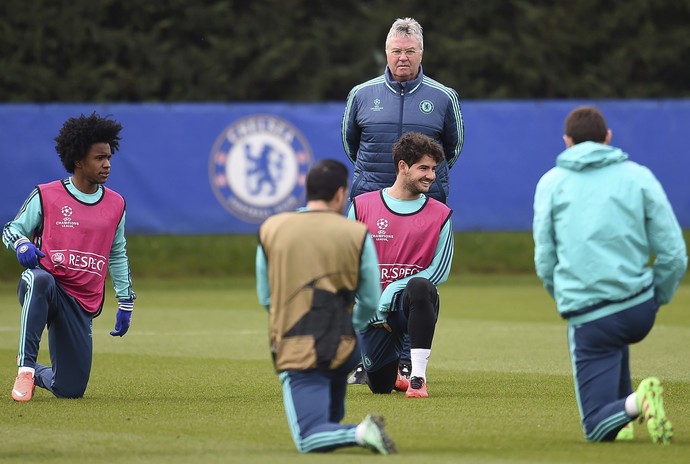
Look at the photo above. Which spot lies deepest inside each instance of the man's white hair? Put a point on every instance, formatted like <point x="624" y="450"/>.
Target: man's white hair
<point x="406" y="27"/>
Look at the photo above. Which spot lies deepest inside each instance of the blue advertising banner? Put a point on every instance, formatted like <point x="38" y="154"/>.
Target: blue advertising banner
<point x="223" y="168"/>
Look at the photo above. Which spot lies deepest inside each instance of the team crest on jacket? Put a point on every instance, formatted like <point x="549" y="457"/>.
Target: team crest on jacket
<point x="426" y="106"/>
<point x="258" y="167"/>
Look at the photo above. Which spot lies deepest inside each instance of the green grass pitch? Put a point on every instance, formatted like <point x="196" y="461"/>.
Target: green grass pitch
<point x="192" y="382"/>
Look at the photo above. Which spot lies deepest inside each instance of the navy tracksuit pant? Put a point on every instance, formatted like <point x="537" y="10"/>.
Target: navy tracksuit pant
<point x="45" y="303"/>
<point x="601" y="367"/>
<point x="314" y="403"/>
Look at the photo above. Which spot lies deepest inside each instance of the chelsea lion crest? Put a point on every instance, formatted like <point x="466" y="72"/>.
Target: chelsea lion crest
<point x="258" y="167"/>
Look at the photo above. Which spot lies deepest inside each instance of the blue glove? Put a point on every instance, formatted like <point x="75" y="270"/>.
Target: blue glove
<point x="27" y="253"/>
<point x="123" y="318"/>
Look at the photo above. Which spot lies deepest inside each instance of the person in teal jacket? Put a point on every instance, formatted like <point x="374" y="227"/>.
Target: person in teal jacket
<point x="597" y="219"/>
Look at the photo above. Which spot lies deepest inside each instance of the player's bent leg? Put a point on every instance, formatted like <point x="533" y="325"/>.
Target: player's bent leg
<point x="381" y="352"/>
<point x="36" y="295"/>
<point x="306" y="395"/>
<point x="420" y="305"/>
<point x="71" y="348"/>
<point x="383" y="379"/>
<point x="596" y="376"/>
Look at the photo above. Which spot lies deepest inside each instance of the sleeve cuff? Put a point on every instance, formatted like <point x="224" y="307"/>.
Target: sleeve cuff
<point x="20" y="242"/>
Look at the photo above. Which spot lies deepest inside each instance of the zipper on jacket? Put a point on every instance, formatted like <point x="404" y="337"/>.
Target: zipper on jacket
<point x="402" y="111"/>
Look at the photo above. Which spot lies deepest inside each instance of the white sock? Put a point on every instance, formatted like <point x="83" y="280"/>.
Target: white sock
<point x="420" y="358"/>
<point x="23" y="369"/>
<point x="631" y="406"/>
<point x="359" y="431"/>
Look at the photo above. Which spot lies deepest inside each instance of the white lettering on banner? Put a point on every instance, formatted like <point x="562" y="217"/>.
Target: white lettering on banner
<point x="257" y="125"/>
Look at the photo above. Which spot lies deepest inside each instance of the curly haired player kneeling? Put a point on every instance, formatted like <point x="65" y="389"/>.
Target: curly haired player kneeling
<point x="67" y="235"/>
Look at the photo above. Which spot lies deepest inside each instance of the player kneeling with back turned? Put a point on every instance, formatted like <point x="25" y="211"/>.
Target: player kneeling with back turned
<point x="310" y="265"/>
<point x="597" y="218"/>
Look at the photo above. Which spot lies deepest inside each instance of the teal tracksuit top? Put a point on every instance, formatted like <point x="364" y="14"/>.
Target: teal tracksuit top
<point x="598" y="217"/>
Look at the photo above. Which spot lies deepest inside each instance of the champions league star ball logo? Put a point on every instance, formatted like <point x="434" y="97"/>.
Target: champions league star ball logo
<point x="382" y="234"/>
<point x="67" y="222"/>
<point x="258" y="167"/>
<point x="382" y="224"/>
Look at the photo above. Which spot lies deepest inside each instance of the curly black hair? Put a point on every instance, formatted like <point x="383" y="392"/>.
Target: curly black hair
<point x="78" y="134"/>
<point x="413" y="146"/>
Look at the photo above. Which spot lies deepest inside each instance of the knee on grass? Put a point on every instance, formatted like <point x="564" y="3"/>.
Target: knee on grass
<point x="382" y="381"/>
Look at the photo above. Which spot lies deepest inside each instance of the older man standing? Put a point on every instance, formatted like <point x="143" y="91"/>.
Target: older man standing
<point x="401" y="100"/>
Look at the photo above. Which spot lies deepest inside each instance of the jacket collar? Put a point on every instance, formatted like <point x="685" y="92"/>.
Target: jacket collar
<point x="408" y="86"/>
<point x="590" y="155"/>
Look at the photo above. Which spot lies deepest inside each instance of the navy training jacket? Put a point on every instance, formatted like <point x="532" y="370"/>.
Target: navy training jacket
<point x="381" y="110"/>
